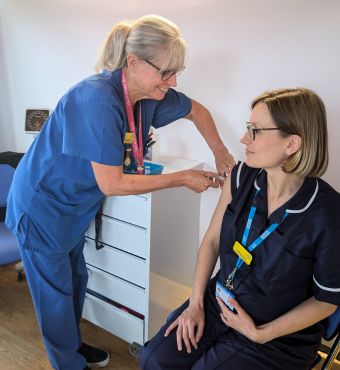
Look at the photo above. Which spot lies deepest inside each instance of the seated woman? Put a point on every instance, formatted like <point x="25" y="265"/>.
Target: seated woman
<point x="276" y="206"/>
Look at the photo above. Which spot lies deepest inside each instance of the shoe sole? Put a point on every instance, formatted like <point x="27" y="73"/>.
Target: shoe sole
<point x="97" y="365"/>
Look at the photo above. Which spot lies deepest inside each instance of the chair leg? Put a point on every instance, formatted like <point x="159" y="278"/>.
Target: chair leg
<point x="332" y="354"/>
<point x="316" y="361"/>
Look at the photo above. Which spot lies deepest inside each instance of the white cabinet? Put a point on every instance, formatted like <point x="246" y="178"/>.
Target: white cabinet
<point x="148" y="260"/>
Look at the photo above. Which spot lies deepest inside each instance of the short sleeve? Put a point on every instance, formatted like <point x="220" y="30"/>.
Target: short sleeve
<point x="93" y="130"/>
<point x="326" y="279"/>
<point x="174" y="106"/>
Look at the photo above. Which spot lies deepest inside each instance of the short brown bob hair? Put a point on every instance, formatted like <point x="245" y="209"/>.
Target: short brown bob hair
<point x="301" y="112"/>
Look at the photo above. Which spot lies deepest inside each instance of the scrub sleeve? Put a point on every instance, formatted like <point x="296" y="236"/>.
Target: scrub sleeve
<point x="93" y="130"/>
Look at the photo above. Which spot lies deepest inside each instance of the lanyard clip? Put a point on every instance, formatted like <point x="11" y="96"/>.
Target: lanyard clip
<point x="230" y="281"/>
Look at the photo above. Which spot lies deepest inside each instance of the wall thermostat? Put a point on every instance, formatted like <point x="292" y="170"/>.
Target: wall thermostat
<point x="35" y="119"/>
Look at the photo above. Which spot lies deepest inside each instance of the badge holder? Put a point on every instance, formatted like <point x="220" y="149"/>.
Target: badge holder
<point x="224" y="293"/>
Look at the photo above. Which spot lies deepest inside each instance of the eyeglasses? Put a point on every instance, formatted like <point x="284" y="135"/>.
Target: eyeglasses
<point x="166" y="75"/>
<point x="252" y="131"/>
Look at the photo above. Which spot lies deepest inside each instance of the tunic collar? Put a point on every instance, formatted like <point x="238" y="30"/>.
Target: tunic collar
<point x="299" y="203"/>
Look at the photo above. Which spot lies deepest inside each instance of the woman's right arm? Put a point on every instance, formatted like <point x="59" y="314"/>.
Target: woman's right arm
<point x="194" y="315"/>
<point x="112" y="181"/>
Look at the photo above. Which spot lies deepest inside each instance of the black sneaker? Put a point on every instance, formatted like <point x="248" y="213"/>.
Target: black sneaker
<point x="95" y="357"/>
<point x="87" y="368"/>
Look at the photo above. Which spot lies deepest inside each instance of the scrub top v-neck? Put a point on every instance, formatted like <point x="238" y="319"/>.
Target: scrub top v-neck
<point x="54" y="183"/>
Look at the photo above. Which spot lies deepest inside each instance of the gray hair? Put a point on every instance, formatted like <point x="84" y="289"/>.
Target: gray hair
<point x="150" y="38"/>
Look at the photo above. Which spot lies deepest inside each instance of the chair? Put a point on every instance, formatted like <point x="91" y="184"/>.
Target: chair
<point x="9" y="249"/>
<point x="332" y="324"/>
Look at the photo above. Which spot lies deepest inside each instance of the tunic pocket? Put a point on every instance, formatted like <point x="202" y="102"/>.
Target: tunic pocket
<point x="291" y="272"/>
<point x="50" y="225"/>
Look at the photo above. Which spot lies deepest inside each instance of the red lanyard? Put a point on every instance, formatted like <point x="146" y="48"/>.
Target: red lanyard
<point x="137" y="151"/>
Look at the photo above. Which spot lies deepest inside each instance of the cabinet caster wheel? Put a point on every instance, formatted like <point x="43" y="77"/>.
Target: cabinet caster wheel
<point x="134" y="349"/>
<point x="20" y="270"/>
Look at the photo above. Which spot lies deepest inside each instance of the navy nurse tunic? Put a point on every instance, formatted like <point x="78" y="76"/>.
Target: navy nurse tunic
<point x="54" y="196"/>
<point x="300" y="259"/>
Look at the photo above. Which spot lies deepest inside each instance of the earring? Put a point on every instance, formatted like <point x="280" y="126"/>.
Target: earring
<point x="286" y="153"/>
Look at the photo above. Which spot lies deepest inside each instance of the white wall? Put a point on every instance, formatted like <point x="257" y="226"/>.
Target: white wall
<point x="238" y="49"/>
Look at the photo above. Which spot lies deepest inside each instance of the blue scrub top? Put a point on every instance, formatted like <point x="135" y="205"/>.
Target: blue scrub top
<point x="298" y="260"/>
<point x="54" y="183"/>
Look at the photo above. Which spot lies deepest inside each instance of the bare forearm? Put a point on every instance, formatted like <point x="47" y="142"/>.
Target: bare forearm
<point x="112" y="181"/>
<point x="302" y="316"/>
<point x="134" y="185"/>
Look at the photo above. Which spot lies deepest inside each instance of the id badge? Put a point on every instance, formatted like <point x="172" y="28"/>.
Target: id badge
<point x="242" y="253"/>
<point x="129" y="138"/>
<point x="224" y="294"/>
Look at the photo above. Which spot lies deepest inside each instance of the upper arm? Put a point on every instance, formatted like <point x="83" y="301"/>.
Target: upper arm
<point x="191" y="114"/>
<point x="229" y="189"/>
<point x="214" y="230"/>
<point x="107" y="176"/>
<point x="195" y="106"/>
<point x="174" y="106"/>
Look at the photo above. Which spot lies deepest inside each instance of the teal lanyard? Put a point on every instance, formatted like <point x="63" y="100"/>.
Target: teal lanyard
<point x="260" y="239"/>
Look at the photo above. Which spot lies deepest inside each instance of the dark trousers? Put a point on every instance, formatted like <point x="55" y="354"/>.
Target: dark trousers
<point x="223" y="352"/>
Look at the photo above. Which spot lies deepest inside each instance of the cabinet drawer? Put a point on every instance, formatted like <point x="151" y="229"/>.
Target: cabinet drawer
<point x="114" y="320"/>
<point x="116" y="289"/>
<point x="116" y="262"/>
<point x="121" y="235"/>
<point x="129" y="208"/>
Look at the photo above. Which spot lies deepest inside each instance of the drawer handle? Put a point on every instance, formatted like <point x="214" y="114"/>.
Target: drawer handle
<point x="98" y="224"/>
<point x="139" y="197"/>
<point x="115" y="304"/>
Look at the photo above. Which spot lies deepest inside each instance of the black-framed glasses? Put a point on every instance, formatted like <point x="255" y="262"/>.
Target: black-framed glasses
<point x="166" y="75"/>
<point x="252" y="130"/>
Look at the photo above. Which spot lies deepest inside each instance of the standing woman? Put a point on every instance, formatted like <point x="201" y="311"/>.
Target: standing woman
<point x="78" y="157"/>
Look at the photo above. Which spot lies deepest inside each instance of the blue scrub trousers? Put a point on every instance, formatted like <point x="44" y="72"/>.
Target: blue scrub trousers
<point x="58" y="285"/>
